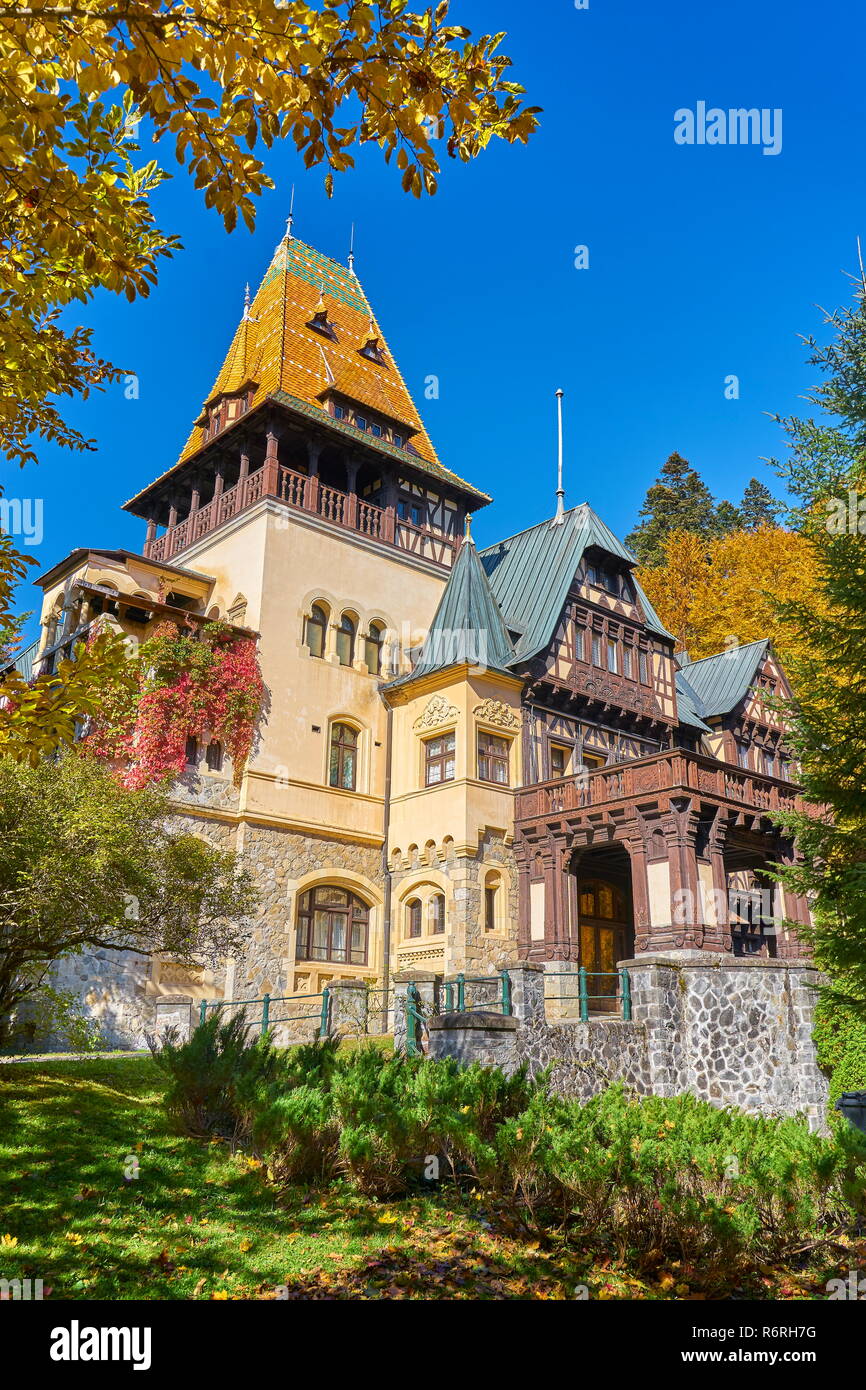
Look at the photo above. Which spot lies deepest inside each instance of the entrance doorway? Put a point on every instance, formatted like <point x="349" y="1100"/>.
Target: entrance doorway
<point x="605" y="936"/>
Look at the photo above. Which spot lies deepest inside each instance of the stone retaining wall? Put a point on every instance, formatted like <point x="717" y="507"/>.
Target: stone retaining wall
<point x="731" y="1031"/>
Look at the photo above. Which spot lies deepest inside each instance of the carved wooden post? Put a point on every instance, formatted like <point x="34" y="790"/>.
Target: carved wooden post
<point x="637" y="852"/>
<point x="270" y="480"/>
<point x="524" y="938"/>
<point x="241" y="492"/>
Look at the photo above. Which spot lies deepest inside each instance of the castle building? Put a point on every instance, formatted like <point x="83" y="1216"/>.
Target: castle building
<point x="468" y="757"/>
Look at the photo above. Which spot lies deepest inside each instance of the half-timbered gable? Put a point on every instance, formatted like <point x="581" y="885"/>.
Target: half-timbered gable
<point x="737" y="695"/>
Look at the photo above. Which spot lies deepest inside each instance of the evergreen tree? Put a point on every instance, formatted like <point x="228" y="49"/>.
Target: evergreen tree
<point x="758" y="507"/>
<point x="826" y="472"/>
<point x="728" y="519"/>
<point x="678" y="501"/>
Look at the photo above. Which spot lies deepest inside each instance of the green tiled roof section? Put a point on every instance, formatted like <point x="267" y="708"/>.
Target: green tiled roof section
<point x="531" y="573"/>
<point x="466" y="606"/>
<point x="435" y="470"/>
<point x="720" y="682"/>
<point x="310" y="265"/>
<point x="689" y="707"/>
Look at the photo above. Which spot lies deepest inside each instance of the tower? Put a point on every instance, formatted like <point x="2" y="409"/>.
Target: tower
<point x="312" y="500"/>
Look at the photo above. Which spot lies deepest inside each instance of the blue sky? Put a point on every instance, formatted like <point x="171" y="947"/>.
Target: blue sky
<point x="704" y="261"/>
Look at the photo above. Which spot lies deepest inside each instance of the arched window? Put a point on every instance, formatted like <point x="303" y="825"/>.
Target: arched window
<point x="343" y="765"/>
<point x="437" y="914"/>
<point x="373" y="649"/>
<point x="214" y="756"/>
<point x="346" y="640"/>
<point x="191" y="753"/>
<point x="332" y="925"/>
<point x="413" y="917"/>
<point x="316" y="626"/>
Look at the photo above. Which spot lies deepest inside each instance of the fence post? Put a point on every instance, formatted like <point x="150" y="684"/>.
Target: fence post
<point x="266" y="1009"/>
<point x="326" y="1000"/>
<point x="449" y="997"/>
<point x="626" y="996"/>
<point x="202" y="1012"/>
<point x="461" y="994"/>
<point x="582" y="994"/>
<point x="506" y="994"/>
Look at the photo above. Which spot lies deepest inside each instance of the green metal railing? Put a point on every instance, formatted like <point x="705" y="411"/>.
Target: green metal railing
<point x="268" y="1020"/>
<point x="380" y="1011"/>
<point x="620" y="999"/>
<point x="456" y="995"/>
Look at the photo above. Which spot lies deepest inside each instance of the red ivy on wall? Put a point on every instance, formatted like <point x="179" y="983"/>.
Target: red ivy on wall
<point x="188" y="685"/>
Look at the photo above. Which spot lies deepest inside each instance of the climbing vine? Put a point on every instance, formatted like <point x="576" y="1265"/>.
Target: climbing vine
<point x="188" y="684"/>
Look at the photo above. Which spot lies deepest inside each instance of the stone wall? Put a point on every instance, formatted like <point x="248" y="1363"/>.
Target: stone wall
<point x="730" y="1031"/>
<point x="279" y="860"/>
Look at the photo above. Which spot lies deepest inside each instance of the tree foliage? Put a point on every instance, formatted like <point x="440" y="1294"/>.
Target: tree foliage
<point x="85" y="864"/>
<point x="758" y="507"/>
<point x="222" y="80"/>
<point x="40" y="716"/>
<point x="715" y="594"/>
<point x="825" y="470"/>
<point x="680" y="500"/>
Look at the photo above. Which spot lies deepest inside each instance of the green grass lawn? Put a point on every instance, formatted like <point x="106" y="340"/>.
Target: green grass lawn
<point x="101" y="1200"/>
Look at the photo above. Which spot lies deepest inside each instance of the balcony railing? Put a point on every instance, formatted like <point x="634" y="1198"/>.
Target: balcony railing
<point x="662" y="772"/>
<point x="304" y="494"/>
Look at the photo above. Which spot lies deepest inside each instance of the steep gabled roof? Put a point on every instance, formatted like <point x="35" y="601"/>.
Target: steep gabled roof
<point x="720" y="682"/>
<point x="468" y="625"/>
<point x="275" y="350"/>
<point x="531" y="573"/>
<point x="689" y="706"/>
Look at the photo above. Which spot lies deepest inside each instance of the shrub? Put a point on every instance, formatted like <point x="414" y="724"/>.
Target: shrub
<point x="840" y="1038"/>
<point x="655" y="1178"/>
<point x="663" y="1175"/>
<point x="55" y="1018"/>
<point x="217" y="1076"/>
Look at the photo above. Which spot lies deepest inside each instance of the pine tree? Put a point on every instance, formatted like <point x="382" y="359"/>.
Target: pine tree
<point x="826" y="472"/>
<point x="758" y="507"/>
<point x="728" y="519"/>
<point x="678" y="501"/>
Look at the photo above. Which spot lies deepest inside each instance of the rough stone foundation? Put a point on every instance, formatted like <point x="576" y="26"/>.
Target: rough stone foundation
<point x="730" y="1031"/>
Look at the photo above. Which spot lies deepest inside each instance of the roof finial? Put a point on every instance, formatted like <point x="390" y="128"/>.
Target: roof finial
<point x="247" y="301"/>
<point x="560" y="490"/>
<point x="352" y="251"/>
<point x="291" y="217"/>
<point x="467" y="534"/>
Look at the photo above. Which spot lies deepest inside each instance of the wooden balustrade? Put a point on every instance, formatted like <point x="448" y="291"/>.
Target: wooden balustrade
<point x="297" y="490"/>
<point x="662" y="772"/>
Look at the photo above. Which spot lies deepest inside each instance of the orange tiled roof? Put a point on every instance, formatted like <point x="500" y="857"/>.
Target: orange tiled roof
<point x="277" y="350"/>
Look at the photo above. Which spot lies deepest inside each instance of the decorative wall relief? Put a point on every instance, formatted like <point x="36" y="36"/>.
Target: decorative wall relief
<point x="438" y="711"/>
<point x="495" y="712"/>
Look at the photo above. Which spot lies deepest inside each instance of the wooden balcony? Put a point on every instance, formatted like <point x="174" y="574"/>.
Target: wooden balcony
<point x="675" y="772"/>
<point x="304" y="494"/>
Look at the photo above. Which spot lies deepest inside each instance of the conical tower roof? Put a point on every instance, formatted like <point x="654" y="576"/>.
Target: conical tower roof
<point x="468" y="625"/>
<point x="310" y="331"/>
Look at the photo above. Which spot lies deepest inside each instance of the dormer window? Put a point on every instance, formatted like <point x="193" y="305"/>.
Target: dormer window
<point x="320" y="323"/>
<point x="376" y="430"/>
<point x="398" y="440"/>
<point x="372" y="351"/>
<point x="361" y="422"/>
<point x="339" y="412"/>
